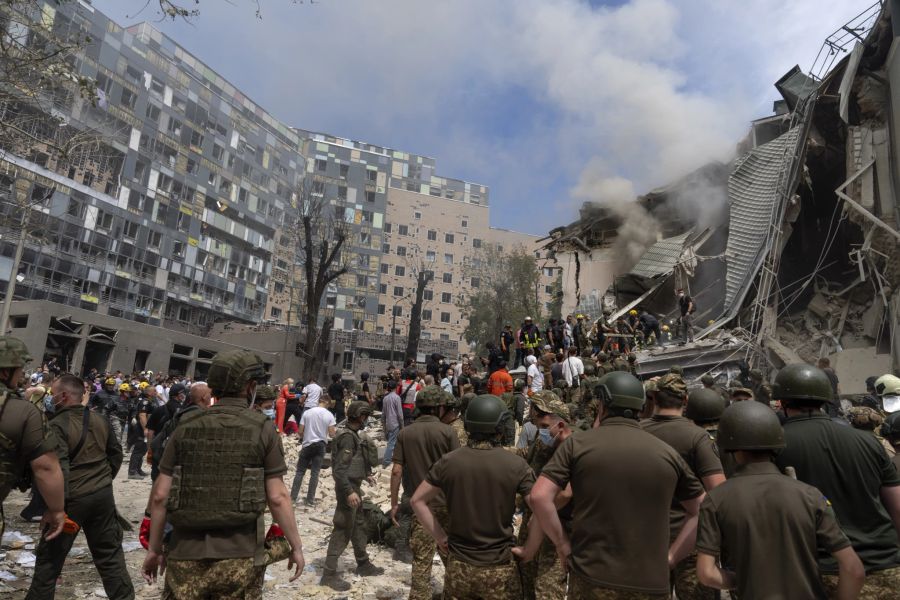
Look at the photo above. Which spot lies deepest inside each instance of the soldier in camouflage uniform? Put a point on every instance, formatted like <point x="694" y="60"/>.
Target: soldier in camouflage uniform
<point x="455" y="408"/>
<point x="354" y="456"/>
<point x="603" y="365"/>
<point x="543" y="577"/>
<point x="480" y="483"/>
<point x="26" y="442"/>
<point x="619" y="363"/>
<point x="220" y="469"/>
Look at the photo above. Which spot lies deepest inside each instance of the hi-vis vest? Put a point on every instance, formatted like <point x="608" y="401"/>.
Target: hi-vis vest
<point x="219" y="481"/>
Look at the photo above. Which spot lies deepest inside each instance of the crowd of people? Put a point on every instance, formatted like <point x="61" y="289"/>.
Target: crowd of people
<point x="627" y="488"/>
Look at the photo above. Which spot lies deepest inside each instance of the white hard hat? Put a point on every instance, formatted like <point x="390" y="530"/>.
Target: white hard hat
<point x="888" y="388"/>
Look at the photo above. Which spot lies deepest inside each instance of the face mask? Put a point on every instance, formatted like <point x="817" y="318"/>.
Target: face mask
<point x="269" y="412"/>
<point x="546" y="438"/>
<point x="49" y="407"/>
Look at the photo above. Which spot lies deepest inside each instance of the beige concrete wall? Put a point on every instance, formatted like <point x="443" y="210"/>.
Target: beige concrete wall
<point x="597" y="271"/>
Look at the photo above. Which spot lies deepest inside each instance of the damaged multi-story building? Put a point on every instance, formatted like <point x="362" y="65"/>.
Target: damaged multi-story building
<point x="792" y="254"/>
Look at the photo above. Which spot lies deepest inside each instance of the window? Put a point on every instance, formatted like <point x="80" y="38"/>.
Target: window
<point x="385" y="248"/>
<point x="382" y="288"/>
<point x="499" y="248"/>
<point x="279" y="287"/>
<point x="448" y="259"/>
<point x="548" y="271"/>
<point x="548" y="289"/>
<point x="178" y="249"/>
<point x="397" y="311"/>
<point x="381" y="309"/>
<point x="445" y="337"/>
<point x="196" y="139"/>
<point x="275" y="312"/>
<point x="476" y="243"/>
<point x="128" y="98"/>
<point x="348" y="361"/>
<point x="154" y="239"/>
<point x="218" y="152"/>
<point x="385" y="268"/>
<point x="448" y="277"/>
<point x="372" y="175"/>
<point x="104" y="221"/>
<point x="465" y="223"/>
<point x="153" y="113"/>
<point x="370" y="196"/>
<point x="401" y="250"/>
<point x="321" y="164"/>
<point x="342" y="192"/>
<point x="345" y="169"/>
<point x="387" y="227"/>
<point x="446" y="298"/>
<point x="429" y="255"/>
<point x="428" y="295"/>
<point x="432" y="235"/>
<point x="445" y="317"/>
<point x="174" y="127"/>
<point x="398" y="290"/>
<point x="131" y="230"/>
<point x="426" y="314"/>
<point x="403" y="230"/>
<point x="399" y="270"/>
<point x="476" y="282"/>
<point x="417" y="215"/>
<point x="448" y="238"/>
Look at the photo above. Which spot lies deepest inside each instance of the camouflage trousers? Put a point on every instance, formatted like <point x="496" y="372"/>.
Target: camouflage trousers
<point x="349" y="528"/>
<point x="542" y="578"/>
<point x="879" y="585"/>
<point x="225" y="579"/>
<point x="686" y="584"/>
<point x="472" y="582"/>
<point x="423" y="547"/>
<point x="582" y="589"/>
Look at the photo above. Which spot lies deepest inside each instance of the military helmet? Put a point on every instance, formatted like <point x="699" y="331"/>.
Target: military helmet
<point x="802" y="382"/>
<point x="672" y="383"/>
<point x="704" y="405"/>
<point x="676" y="369"/>
<point x="358" y="408"/>
<point x="124" y="388"/>
<point x="13" y="352"/>
<point x="548" y="402"/>
<point x="750" y="426"/>
<point x="265" y="393"/>
<point x="485" y="414"/>
<point x="602" y="356"/>
<point x="620" y="390"/>
<point x="590" y="368"/>
<point x="450" y="401"/>
<point x="891" y="426"/>
<point x="707" y="380"/>
<point x="431" y="395"/>
<point x="231" y="371"/>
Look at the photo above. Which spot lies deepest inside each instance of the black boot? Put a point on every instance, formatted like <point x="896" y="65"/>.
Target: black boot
<point x="332" y="580"/>
<point x="367" y="569"/>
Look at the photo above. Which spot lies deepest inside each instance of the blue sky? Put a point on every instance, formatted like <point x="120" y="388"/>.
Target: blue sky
<point x="548" y="102"/>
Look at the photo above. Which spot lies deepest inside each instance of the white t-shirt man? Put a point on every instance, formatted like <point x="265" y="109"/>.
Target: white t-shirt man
<point x="537" y="378"/>
<point x="315" y="423"/>
<point x="312" y="391"/>
<point x="573" y="368"/>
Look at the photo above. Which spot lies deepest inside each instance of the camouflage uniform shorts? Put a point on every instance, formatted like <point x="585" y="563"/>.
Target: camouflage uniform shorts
<point x="224" y="579"/>
<point x="880" y="585"/>
<point x="472" y="582"/>
<point x="582" y="589"/>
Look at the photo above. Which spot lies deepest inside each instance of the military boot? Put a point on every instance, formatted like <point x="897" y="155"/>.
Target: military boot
<point x="332" y="580"/>
<point x="367" y="569"/>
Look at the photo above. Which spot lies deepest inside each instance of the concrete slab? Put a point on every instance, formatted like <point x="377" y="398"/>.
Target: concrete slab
<point x="853" y="365"/>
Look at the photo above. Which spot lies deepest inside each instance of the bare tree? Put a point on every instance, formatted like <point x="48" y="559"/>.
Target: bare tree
<point x="423" y="271"/>
<point x="322" y="237"/>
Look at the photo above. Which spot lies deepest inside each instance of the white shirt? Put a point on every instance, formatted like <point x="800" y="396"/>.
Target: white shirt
<point x="446" y="385"/>
<point x="163" y="393"/>
<point x="537" y="378"/>
<point x="313" y="392"/>
<point x="315" y="422"/>
<point x="572" y="368"/>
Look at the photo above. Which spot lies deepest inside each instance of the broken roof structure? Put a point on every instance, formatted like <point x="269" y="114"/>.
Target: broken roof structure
<point x="806" y="261"/>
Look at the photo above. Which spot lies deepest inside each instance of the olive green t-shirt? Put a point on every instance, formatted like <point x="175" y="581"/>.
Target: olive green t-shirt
<point x="696" y="447"/>
<point x="849" y="467"/>
<point x="766" y="527"/>
<point x="100" y="457"/>
<point x="237" y="542"/>
<point x="480" y="484"/>
<point x="23" y="425"/>
<point x="623" y="482"/>
<point x="896" y="460"/>
<point x="419" y="446"/>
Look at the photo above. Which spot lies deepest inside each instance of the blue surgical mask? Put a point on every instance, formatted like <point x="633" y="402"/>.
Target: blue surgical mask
<point x="545" y="436"/>
<point x="49" y="407"/>
<point x="269" y="412"/>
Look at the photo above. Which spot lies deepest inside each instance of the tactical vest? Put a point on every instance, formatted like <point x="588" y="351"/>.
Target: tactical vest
<point x="9" y="473"/>
<point x="364" y="457"/>
<point x="219" y="480"/>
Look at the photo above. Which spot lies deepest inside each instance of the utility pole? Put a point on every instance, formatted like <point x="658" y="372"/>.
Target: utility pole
<point x="13" y="273"/>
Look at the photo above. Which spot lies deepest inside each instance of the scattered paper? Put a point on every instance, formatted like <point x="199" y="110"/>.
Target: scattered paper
<point x="7" y="576"/>
<point x="26" y="559"/>
<point x="131" y="546"/>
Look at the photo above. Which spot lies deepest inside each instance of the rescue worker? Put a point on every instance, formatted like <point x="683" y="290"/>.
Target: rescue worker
<point x="766" y="528"/>
<point x="698" y="450"/>
<point x="851" y="469"/>
<point x="419" y="446"/>
<point x="623" y="480"/>
<point x="219" y="470"/>
<point x="94" y="457"/>
<point x="869" y="419"/>
<point x="480" y="483"/>
<point x="887" y="387"/>
<point x="355" y="456"/>
<point x="543" y="577"/>
<point x="24" y="442"/>
<point x="530" y="337"/>
<point x="108" y="401"/>
<point x="579" y="335"/>
<point x="686" y="308"/>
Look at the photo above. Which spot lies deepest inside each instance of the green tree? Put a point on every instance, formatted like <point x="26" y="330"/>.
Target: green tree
<point x="507" y="292"/>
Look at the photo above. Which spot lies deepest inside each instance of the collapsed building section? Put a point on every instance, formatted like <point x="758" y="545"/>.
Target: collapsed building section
<point x="799" y="260"/>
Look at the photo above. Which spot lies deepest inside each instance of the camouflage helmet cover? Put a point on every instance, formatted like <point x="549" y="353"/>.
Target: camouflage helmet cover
<point x="231" y="371"/>
<point x="358" y="408"/>
<point x="13" y="352"/>
<point x="264" y="393"/>
<point x="548" y="402"/>
<point x="672" y="383"/>
<point x="431" y="395"/>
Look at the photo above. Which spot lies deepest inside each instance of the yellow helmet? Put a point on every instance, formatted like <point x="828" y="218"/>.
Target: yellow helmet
<point x="124" y="388"/>
<point x="109" y="381"/>
<point x="665" y="327"/>
<point x="711" y="322"/>
<point x="143" y="385"/>
<point x="633" y="312"/>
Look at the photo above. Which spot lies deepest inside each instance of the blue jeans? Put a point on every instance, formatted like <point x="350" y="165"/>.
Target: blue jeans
<point x="389" y="450"/>
<point x="310" y="458"/>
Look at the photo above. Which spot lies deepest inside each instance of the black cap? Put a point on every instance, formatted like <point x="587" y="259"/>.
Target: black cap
<point x="176" y="389"/>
